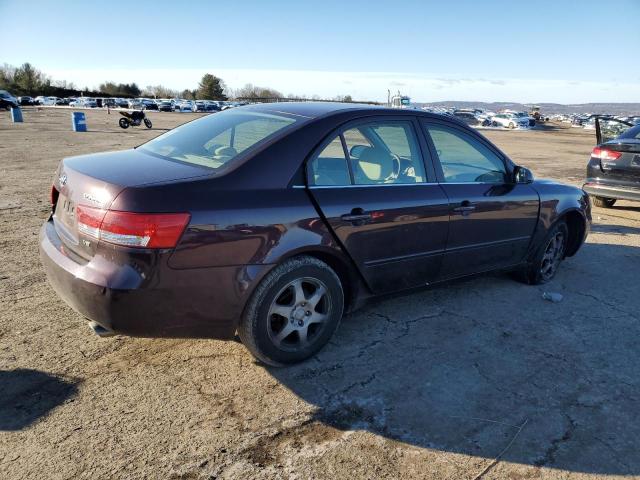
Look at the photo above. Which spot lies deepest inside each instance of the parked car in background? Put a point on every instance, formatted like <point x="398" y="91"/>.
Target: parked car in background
<point x="524" y="115"/>
<point x="83" y="102"/>
<point x="7" y="100"/>
<point x="135" y="104"/>
<point x="89" y="102"/>
<point x="149" y="104"/>
<point x="185" y="106"/>
<point x="207" y="106"/>
<point x="613" y="171"/>
<point x="467" y="117"/>
<point x="109" y="102"/>
<point x="41" y="100"/>
<point x="509" y="120"/>
<point x="261" y="232"/>
<point x="26" y="100"/>
<point x="165" y="105"/>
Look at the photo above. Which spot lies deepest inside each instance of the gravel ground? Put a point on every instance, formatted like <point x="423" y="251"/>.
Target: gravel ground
<point x="477" y="379"/>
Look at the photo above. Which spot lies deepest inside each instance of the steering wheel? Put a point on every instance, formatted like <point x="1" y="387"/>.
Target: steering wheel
<point x="397" y="166"/>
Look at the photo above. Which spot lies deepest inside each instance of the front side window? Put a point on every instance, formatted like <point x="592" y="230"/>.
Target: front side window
<point x="215" y="140"/>
<point x="465" y="159"/>
<point x="385" y="153"/>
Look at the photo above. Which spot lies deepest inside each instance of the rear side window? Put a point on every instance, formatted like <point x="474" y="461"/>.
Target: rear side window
<point x="330" y="167"/>
<point x="215" y="140"/>
<point x="464" y="159"/>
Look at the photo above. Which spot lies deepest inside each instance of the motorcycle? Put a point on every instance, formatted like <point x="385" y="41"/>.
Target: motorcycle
<point x="134" y="119"/>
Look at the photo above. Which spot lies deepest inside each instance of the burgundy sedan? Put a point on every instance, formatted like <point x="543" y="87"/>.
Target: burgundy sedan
<point x="271" y="221"/>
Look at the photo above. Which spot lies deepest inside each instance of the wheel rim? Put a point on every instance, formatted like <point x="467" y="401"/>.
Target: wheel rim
<point x="552" y="256"/>
<point x="299" y="314"/>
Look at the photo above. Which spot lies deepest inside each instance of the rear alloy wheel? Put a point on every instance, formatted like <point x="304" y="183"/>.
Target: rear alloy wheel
<point x="293" y="312"/>
<point x="544" y="265"/>
<point x="512" y="125"/>
<point x="124" y="123"/>
<point x="603" y="202"/>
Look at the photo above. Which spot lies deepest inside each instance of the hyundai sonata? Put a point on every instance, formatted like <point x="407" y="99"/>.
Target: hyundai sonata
<point x="271" y="221"/>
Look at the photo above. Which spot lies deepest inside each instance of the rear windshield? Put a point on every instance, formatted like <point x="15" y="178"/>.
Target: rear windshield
<point x="217" y="139"/>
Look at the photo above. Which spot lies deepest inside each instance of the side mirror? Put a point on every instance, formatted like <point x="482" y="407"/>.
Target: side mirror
<point x="522" y="175"/>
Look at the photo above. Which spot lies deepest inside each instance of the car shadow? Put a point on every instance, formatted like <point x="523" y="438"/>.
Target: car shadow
<point x="27" y="395"/>
<point x="627" y="208"/>
<point x="487" y="368"/>
<point x="611" y="229"/>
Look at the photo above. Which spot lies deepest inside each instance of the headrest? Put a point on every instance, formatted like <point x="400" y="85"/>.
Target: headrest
<point x="225" y="152"/>
<point x="375" y="164"/>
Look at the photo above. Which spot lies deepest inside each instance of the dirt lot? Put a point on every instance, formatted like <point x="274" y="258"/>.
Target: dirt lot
<point x="478" y="379"/>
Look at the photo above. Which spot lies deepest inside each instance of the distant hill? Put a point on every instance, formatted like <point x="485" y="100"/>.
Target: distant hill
<point x="546" y="108"/>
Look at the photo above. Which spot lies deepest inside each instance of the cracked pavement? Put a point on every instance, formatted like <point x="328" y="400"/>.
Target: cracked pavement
<point x="481" y="378"/>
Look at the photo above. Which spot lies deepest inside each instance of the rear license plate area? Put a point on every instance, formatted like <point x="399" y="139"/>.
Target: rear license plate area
<point x="66" y="211"/>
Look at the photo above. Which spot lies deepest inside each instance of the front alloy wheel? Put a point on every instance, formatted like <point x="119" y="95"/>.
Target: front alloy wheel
<point x="293" y="312"/>
<point x="543" y="266"/>
<point x="553" y="255"/>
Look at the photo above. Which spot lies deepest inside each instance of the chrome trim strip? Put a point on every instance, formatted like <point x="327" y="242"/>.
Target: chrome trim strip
<point x="320" y="187"/>
<point x="421" y="184"/>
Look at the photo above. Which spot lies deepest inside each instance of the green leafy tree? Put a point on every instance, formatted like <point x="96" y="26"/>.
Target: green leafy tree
<point x="211" y="88"/>
<point x="28" y="80"/>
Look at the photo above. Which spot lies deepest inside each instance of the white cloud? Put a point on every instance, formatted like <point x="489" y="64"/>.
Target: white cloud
<point x="371" y="85"/>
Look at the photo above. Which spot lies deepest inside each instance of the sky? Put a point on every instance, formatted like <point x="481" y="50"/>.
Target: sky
<point x="564" y="51"/>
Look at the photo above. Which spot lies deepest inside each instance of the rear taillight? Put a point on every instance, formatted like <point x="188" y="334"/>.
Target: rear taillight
<point x="605" y="154"/>
<point x="147" y="230"/>
<point x="53" y="196"/>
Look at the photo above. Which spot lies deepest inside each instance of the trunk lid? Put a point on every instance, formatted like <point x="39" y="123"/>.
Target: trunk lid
<point x="95" y="181"/>
<point x="626" y="168"/>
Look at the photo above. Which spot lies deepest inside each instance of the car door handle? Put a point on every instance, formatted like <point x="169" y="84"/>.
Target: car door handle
<point x="465" y="208"/>
<point x="356" y="215"/>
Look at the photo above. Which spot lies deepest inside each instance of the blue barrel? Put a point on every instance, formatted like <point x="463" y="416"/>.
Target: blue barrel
<point x="78" y="122"/>
<point x="16" y="115"/>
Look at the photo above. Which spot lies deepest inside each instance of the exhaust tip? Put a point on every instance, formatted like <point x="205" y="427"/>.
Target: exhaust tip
<point x="100" y="330"/>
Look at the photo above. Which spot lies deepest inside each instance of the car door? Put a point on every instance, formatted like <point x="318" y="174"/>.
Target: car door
<point x="391" y="217"/>
<point x="492" y="219"/>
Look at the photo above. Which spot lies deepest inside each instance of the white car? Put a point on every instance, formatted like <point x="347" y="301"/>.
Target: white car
<point x="186" y="106"/>
<point x="46" y="100"/>
<point x="84" y="102"/>
<point x="509" y="120"/>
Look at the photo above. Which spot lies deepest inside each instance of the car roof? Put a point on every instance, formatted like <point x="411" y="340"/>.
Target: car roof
<point x="321" y="109"/>
<point x="316" y="110"/>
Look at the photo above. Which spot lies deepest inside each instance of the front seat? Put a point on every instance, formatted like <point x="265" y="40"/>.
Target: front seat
<point x="373" y="166"/>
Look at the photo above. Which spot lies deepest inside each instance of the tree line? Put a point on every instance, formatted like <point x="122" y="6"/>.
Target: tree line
<point x="28" y="80"/>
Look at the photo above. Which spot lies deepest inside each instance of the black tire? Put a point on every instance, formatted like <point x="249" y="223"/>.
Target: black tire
<point x="541" y="268"/>
<point x="148" y="123"/>
<point x="275" y="320"/>
<point x="603" y="202"/>
<point x="123" y="122"/>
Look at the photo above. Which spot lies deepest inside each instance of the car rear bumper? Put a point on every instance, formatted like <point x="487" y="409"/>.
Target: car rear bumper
<point x="165" y="302"/>
<point x="612" y="191"/>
